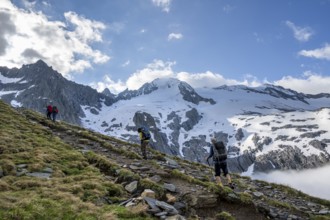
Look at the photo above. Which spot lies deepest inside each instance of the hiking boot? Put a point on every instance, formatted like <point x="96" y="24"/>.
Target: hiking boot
<point x="219" y="184"/>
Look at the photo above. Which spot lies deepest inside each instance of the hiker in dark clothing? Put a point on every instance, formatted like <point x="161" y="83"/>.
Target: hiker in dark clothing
<point x="144" y="142"/>
<point x="49" y="111"/>
<point x="219" y="153"/>
<point x="54" y="112"/>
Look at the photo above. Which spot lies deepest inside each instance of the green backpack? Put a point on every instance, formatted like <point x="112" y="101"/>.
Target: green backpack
<point x="219" y="151"/>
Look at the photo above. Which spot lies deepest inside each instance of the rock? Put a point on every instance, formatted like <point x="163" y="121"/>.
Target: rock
<point x="258" y="194"/>
<point x="179" y="205"/>
<point x="21" y="166"/>
<point x="132" y="167"/>
<point x="132" y="187"/>
<point x="167" y="207"/>
<point x="324" y="212"/>
<point x="148" y="193"/>
<point x="20" y="173"/>
<point x="170" y="187"/>
<point x="161" y="214"/>
<point x="151" y="202"/>
<point x="171" y="162"/>
<point x="125" y="202"/>
<point x="39" y="175"/>
<point x="292" y="217"/>
<point x="175" y="217"/>
<point x="170" y="198"/>
<point x="130" y="203"/>
<point x="156" y="178"/>
<point x="154" y="210"/>
<point x="239" y="134"/>
<point x="47" y="170"/>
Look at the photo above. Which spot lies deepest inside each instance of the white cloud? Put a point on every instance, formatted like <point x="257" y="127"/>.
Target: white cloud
<point x="321" y="53"/>
<point x="309" y="83"/>
<point x="114" y="87"/>
<point x="211" y="80"/>
<point x="308" y="181"/>
<point x="161" y="69"/>
<point x="164" y="4"/>
<point x="66" y="46"/>
<point x="302" y="34"/>
<point x="174" y="36"/>
<point x="157" y="69"/>
<point x="126" y="63"/>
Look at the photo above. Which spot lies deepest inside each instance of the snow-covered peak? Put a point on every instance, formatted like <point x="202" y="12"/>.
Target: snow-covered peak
<point x="165" y="83"/>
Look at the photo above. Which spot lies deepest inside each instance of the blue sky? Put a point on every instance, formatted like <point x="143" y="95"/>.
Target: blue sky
<point x="119" y="44"/>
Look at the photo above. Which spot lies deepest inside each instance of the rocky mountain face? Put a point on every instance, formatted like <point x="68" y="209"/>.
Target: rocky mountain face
<point x="265" y="128"/>
<point x="36" y="85"/>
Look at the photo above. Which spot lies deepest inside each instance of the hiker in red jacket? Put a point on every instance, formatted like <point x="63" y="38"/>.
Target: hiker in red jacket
<point x="49" y="111"/>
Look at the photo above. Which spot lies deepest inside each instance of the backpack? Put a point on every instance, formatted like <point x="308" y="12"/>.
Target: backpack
<point x="55" y="109"/>
<point x="145" y="133"/>
<point x="221" y="153"/>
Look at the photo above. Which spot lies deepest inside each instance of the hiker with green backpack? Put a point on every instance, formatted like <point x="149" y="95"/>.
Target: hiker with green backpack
<point x="219" y="153"/>
<point x="145" y="136"/>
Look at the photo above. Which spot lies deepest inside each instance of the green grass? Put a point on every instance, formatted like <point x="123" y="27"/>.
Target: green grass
<point x="77" y="187"/>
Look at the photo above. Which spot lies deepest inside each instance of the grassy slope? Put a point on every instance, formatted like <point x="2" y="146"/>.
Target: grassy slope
<point x="75" y="189"/>
<point x="78" y="185"/>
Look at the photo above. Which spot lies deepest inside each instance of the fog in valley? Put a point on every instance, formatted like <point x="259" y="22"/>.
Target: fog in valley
<point x="315" y="182"/>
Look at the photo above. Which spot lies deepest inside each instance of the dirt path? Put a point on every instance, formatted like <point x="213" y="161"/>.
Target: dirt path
<point x="209" y="204"/>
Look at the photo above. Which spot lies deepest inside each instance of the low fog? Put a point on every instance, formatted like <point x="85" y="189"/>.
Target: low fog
<point x="315" y="182"/>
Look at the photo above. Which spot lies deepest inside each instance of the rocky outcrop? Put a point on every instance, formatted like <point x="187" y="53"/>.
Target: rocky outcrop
<point x="189" y="94"/>
<point x="239" y="134"/>
<point x="289" y="158"/>
<point x="193" y="119"/>
<point x="241" y="163"/>
<point x="40" y="85"/>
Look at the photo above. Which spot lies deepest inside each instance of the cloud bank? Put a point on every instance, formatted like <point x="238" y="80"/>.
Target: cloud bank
<point x="27" y="35"/>
<point x="309" y="82"/>
<point x="317" y="183"/>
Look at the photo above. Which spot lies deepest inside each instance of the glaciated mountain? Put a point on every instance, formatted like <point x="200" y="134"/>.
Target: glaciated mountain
<point x="36" y="85"/>
<point x="265" y="128"/>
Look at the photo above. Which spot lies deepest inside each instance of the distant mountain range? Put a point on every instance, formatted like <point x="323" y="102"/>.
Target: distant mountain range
<point x="265" y="128"/>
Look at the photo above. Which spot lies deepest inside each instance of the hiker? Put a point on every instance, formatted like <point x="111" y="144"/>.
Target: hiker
<point x="55" y="111"/>
<point x="49" y="111"/>
<point x="219" y="153"/>
<point x="144" y="135"/>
